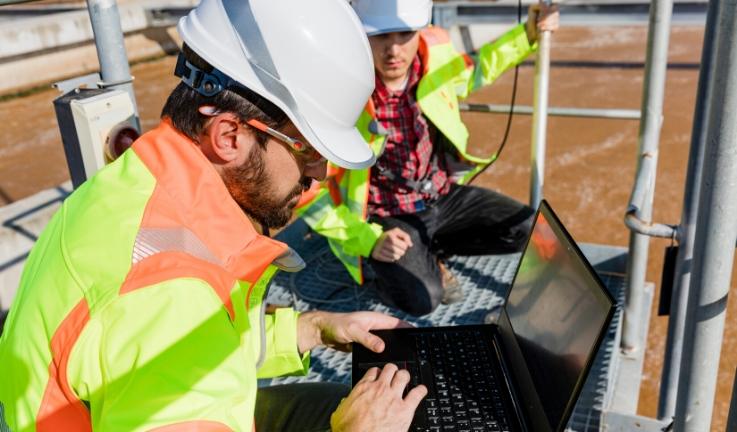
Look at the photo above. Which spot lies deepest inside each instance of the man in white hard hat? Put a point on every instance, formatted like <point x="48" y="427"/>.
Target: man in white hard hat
<point x="411" y="209"/>
<point x="141" y="305"/>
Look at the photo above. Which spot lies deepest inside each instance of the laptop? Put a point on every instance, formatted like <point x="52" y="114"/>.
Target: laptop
<point x="523" y="373"/>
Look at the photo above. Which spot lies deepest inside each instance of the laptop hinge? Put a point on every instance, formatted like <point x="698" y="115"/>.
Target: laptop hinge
<point x="507" y="376"/>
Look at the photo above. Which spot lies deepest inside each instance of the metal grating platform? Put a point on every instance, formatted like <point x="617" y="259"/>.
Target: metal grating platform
<point x="325" y="285"/>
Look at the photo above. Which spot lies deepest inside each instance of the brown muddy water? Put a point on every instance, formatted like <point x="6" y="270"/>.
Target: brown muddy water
<point x="590" y="162"/>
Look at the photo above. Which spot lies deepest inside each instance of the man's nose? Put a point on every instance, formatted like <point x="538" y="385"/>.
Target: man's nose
<point x="393" y="48"/>
<point x="393" y="42"/>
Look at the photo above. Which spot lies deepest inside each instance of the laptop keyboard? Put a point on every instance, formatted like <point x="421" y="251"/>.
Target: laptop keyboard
<point x="459" y="367"/>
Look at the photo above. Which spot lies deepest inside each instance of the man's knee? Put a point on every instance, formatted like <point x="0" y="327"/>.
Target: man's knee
<point x="521" y="231"/>
<point x="424" y="298"/>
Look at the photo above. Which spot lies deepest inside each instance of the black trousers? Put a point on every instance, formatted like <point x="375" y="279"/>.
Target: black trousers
<point x="304" y="407"/>
<point x="467" y="221"/>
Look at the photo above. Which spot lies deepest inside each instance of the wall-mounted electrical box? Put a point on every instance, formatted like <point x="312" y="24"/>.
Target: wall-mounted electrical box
<point x="88" y="120"/>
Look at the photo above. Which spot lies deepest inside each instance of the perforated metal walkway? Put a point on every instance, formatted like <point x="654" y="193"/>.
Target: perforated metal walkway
<point x="325" y="285"/>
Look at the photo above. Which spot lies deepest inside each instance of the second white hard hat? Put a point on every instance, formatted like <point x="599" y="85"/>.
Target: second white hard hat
<point x="309" y="58"/>
<point x="385" y="16"/>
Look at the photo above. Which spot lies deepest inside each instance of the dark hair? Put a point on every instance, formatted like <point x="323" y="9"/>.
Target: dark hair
<point x="183" y="103"/>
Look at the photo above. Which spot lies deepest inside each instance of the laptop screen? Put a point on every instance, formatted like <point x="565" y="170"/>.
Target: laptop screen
<point x="557" y="310"/>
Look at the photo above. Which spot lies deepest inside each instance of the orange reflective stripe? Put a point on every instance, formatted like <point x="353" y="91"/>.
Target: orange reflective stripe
<point x="370" y="108"/>
<point x="434" y="36"/>
<point x="194" y="426"/>
<point x="173" y="265"/>
<point x="334" y="190"/>
<point x="469" y="61"/>
<point x="334" y="176"/>
<point x="254" y="260"/>
<point x="429" y="37"/>
<point x="60" y="408"/>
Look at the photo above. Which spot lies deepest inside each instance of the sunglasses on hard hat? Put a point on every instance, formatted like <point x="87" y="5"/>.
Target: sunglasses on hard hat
<point x="301" y="149"/>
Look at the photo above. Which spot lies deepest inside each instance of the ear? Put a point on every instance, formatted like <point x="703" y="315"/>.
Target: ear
<point x="226" y="137"/>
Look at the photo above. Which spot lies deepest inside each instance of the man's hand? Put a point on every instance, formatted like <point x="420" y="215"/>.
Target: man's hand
<point x="338" y="330"/>
<point x="392" y="245"/>
<point x="541" y="17"/>
<point x="375" y="403"/>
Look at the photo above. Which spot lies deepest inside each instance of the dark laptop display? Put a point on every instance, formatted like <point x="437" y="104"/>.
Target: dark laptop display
<point x="525" y="372"/>
<point x="557" y="313"/>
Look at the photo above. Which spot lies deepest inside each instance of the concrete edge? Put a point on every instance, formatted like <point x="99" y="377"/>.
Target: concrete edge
<point x="74" y="61"/>
<point x="30" y="35"/>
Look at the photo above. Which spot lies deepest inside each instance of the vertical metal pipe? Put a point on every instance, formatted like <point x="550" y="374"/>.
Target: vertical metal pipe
<point x="108" y="32"/>
<point x="687" y="228"/>
<point x="716" y="231"/>
<point x="540" y="117"/>
<point x="656" y="63"/>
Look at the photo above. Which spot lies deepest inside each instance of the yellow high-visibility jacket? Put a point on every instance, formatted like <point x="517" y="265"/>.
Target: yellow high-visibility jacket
<point x="140" y="306"/>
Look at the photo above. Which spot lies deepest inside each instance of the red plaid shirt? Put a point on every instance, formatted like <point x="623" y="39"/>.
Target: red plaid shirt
<point x="408" y="153"/>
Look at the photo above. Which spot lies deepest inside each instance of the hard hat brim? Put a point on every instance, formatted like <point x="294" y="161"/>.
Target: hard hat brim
<point x="344" y="147"/>
<point x="383" y="25"/>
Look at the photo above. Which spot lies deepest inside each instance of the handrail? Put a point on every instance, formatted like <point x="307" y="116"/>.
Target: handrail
<point x="653" y="91"/>
<point x="609" y="113"/>
<point x="540" y="115"/>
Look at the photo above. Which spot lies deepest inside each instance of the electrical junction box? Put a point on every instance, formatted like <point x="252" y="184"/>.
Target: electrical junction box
<point x="88" y="120"/>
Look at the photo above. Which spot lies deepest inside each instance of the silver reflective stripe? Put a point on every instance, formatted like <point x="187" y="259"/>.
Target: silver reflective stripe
<point x="290" y="261"/>
<point x="262" y="319"/>
<point x="257" y="52"/>
<point x="3" y="426"/>
<point x="150" y="241"/>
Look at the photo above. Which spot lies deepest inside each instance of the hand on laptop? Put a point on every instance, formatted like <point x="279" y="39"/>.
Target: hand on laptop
<point x="339" y="330"/>
<point x="376" y="403"/>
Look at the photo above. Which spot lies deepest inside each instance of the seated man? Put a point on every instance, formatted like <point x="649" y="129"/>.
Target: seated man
<point x="140" y="306"/>
<point x="407" y="212"/>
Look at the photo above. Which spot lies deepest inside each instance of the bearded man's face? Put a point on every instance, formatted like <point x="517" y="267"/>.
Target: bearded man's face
<point x="261" y="194"/>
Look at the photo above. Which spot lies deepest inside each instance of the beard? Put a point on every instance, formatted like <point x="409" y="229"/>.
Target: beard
<point x="251" y="188"/>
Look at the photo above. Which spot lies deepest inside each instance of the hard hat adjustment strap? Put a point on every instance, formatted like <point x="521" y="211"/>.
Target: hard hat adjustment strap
<point x="205" y="83"/>
<point x="209" y="84"/>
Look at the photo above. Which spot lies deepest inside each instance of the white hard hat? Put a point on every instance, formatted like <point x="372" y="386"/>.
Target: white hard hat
<point x="384" y="16"/>
<point x="309" y="58"/>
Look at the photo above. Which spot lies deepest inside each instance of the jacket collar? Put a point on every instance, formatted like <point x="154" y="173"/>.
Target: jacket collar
<point x="187" y="181"/>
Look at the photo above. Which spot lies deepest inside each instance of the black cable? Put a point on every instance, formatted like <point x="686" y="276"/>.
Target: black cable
<point x="496" y="154"/>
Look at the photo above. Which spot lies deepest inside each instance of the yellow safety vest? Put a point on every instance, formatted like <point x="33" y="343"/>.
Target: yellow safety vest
<point x="337" y="209"/>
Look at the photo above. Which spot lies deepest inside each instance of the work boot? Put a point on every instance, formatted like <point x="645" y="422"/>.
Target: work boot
<point x="452" y="291"/>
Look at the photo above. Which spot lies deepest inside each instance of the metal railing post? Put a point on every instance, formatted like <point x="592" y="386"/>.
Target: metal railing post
<point x="716" y="231"/>
<point x="110" y="45"/>
<point x="687" y="227"/>
<point x="540" y="117"/>
<point x="652" y="110"/>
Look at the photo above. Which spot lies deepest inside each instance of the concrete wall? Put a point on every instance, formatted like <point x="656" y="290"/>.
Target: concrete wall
<point x="21" y="224"/>
<point x="40" y="50"/>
